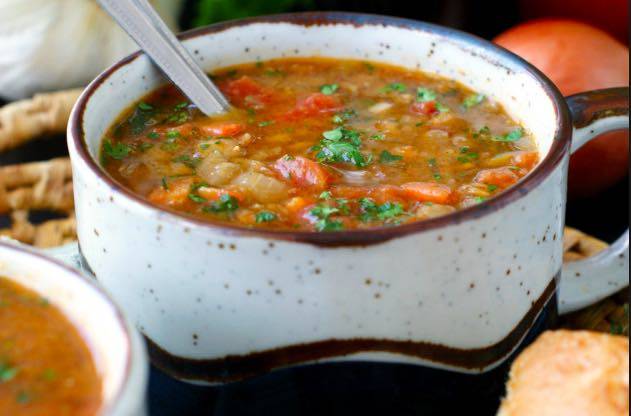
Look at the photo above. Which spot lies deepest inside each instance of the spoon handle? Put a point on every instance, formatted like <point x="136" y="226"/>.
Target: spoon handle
<point x="143" y="24"/>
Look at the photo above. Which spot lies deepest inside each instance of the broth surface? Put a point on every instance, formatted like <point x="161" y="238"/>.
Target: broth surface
<point x="45" y="366"/>
<point x="320" y="144"/>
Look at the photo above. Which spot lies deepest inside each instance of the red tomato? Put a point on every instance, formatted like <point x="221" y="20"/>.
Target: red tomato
<point x="424" y="107"/>
<point x="578" y="57"/>
<point x="611" y="16"/>
<point x="246" y="91"/>
<point x="314" y="104"/>
<point x="302" y="172"/>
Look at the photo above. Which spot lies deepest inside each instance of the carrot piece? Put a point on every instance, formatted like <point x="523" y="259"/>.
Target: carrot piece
<point x="302" y="172"/>
<point x="526" y="160"/>
<point x="222" y="129"/>
<point x="176" y="195"/>
<point x="428" y="192"/>
<point x="501" y="177"/>
<point x="296" y="204"/>
<point x="424" y="107"/>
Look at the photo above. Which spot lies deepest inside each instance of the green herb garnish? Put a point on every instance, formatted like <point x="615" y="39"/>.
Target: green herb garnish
<point x="118" y="151"/>
<point x="187" y="160"/>
<point x="325" y="195"/>
<point x="143" y="106"/>
<point x="343" y="116"/>
<point x="491" y="187"/>
<point x="512" y="136"/>
<point x="393" y="87"/>
<point x="472" y="100"/>
<point x="378" y="136"/>
<point x="7" y="372"/>
<point x="226" y="203"/>
<point x="371" y="211"/>
<point x="23" y="397"/>
<point x="341" y="145"/>
<point x="387" y="157"/>
<point x="49" y="374"/>
<point x="324" y="221"/>
<point x="425" y="94"/>
<point x="153" y="135"/>
<point x="329" y="89"/>
<point x="265" y="216"/>
<point x="266" y="123"/>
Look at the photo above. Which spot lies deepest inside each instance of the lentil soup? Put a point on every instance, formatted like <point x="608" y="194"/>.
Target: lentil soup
<point x="320" y="144"/>
<point x="45" y="366"/>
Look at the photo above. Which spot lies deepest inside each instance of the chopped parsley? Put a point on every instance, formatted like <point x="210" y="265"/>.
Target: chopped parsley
<point x="118" y="151"/>
<point x="266" y="123"/>
<point x="187" y="160"/>
<point x="434" y="166"/>
<point x="7" y="372"/>
<point x="49" y="374"/>
<point x="173" y="134"/>
<point x="324" y="222"/>
<point x="153" y="135"/>
<point x="196" y="198"/>
<point x="193" y="195"/>
<point x="342" y="205"/>
<point x="341" y="145"/>
<point x="165" y="183"/>
<point x="371" y="211"/>
<point x="265" y="216"/>
<point x="387" y="157"/>
<point x="143" y="106"/>
<point x="466" y="155"/>
<point x="472" y="100"/>
<point x="325" y="195"/>
<point x="393" y="87"/>
<point x="169" y="144"/>
<point x="512" y="136"/>
<point x="329" y="89"/>
<point x="369" y="67"/>
<point x="274" y="72"/>
<point x="378" y="136"/>
<point x="344" y="115"/>
<point x="226" y="203"/>
<point x="145" y="146"/>
<point x="23" y="397"/>
<point x="425" y="94"/>
<point x="482" y="133"/>
<point x="141" y="118"/>
<point x="491" y="187"/>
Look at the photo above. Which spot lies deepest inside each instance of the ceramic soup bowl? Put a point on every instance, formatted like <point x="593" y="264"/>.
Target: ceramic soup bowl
<point x="458" y="293"/>
<point x="117" y="349"/>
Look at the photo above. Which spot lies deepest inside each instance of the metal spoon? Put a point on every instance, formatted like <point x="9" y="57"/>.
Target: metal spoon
<point x="145" y="26"/>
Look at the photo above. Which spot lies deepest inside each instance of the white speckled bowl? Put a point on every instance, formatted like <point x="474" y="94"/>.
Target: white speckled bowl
<point x="117" y="349"/>
<point x="459" y="292"/>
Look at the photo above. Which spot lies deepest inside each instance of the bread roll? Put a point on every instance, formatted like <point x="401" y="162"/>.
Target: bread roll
<point x="574" y="373"/>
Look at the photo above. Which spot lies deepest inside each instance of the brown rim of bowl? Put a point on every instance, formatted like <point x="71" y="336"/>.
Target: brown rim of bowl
<point x="498" y="56"/>
<point x="106" y="407"/>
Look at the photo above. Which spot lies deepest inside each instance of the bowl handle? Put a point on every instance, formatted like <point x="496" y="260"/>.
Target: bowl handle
<point x="587" y="281"/>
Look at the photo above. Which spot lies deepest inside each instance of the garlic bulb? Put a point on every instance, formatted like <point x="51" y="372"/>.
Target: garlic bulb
<point x="56" y="44"/>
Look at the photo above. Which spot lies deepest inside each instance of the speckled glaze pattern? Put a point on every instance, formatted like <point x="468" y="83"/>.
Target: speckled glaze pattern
<point x="471" y="281"/>
<point x="117" y="348"/>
